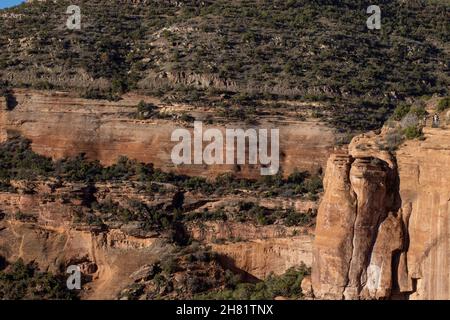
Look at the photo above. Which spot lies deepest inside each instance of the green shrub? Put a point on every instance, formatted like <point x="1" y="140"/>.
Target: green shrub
<point x="5" y="186"/>
<point x="294" y="218"/>
<point x="43" y="85"/>
<point x="249" y="211"/>
<point x="21" y="281"/>
<point x="419" y="110"/>
<point x="119" y="86"/>
<point x="314" y="185"/>
<point x="297" y="177"/>
<point x="94" y="93"/>
<point x="286" y="285"/>
<point x="146" y="110"/>
<point x="401" y="111"/>
<point x="185" y="117"/>
<point x="412" y="132"/>
<point x="393" y="139"/>
<point x="18" y="161"/>
<point x="443" y="104"/>
<point x="169" y="265"/>
<point x="78" y="169"/>
<point x="24" y="217"/>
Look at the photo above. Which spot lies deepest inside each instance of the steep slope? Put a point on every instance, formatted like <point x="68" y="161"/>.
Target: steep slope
<point x="382" y="229"/>
<point x="246" y="50"/>
<point x="425" y="194"/>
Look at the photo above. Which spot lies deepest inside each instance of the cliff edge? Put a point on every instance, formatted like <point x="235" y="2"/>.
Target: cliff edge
<point x="383" y="223"/>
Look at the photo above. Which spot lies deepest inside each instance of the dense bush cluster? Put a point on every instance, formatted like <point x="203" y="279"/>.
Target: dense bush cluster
<point x="298" y="183"/>
<point x="196" y="267"/>
<point x="25" y="281"/>
<point x="18" y="161"/>
<point x="249" y="211"/>
<point x="146" y="110"/>
<point x="151" y="218"/>
<point x="201" y="276"/>
<point x="406" y="123"/>
<point x="443" y="104"/>
<point x="286" y="285"/>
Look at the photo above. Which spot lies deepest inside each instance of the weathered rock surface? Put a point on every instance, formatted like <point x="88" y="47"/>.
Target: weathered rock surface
<point x="425" y="193"/>
<point x="383" y="223"/>
<point x="258" y="250"/>
<point x="37" y="223"/>
<point x="108" y="257"/>
<point x="61" y="125"/>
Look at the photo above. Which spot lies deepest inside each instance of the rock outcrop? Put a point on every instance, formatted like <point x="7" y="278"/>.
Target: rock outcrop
<point x="257" y="250"/>
<point x="106" y="258"/>
<point x="382" y="227"/>
<point x="61" y="125"/>
<point x="38" y="222"/>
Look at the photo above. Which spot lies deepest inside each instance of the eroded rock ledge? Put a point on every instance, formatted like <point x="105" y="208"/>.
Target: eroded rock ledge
<point x="61" y="125"/>
<point x="382" y="229"/>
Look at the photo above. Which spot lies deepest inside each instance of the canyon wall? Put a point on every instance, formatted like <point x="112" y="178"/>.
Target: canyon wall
<point x="107" y="259"/>
<point x="47" y="234"/>
<point x="38" y="223"/>
<point x="62" y="125"/>
<point x="383" y="223"/>
<point x="38" y="219"/>
<point x="258" y="250"/>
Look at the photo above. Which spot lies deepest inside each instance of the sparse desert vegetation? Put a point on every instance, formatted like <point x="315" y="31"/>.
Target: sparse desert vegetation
<point x="234" y="54"/>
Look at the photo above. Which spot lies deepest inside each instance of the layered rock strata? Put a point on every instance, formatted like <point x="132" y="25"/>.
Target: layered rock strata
<point x="383" y="223"/>
<point x="61" y="125"/>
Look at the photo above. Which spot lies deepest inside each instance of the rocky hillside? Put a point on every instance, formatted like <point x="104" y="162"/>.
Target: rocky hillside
<point x="137" y="232"/>
<point x="240" y="51"/>
<point x="86" y="178"/>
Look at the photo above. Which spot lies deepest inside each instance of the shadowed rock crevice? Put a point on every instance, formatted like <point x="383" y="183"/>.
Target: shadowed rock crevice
<point x="10" y="99"/>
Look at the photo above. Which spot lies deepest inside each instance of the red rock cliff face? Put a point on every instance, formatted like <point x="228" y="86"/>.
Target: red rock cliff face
<point x="60" y="125"/>
<point x="383" y="223"/>
<point x="55" y="238"/>
<point x="425" y="193"/>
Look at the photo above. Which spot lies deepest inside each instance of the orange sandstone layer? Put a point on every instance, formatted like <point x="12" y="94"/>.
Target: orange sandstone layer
<point x="61" y="125"/>
<point x="383" y="223"/>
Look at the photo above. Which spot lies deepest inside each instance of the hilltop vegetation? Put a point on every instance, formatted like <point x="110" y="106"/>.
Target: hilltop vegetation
<point x="242" y="51"/>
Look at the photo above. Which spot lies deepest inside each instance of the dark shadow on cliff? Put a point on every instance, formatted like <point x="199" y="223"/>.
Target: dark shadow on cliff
<point x="11" y="102"/>
<point x="3" y="263"/>
<point x="88" y="194"/>
<point x="229" y="263"/>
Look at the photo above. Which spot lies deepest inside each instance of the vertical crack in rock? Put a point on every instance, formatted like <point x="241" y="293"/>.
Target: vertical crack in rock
<point x="368" y="179"/>
<point x="334" y="231"/>
<point x="350" y="262"/>
<point x="360" y="233"/>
